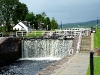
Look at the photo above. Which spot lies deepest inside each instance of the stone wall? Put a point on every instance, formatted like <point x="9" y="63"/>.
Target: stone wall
<point x="10" y="50"/>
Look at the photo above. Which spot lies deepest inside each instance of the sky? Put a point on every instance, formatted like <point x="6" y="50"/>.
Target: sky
<point x="67" y="11"/>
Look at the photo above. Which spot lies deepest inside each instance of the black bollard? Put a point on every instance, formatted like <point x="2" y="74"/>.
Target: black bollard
<point x="91" y="63"/>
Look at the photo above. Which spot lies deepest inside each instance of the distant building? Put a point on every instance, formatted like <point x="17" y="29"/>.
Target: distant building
<point x="22" y="26"/>
<point x="41" y="26"/>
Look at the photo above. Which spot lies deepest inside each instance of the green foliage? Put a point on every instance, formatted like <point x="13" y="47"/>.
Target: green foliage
<point x="47" y="22"/>
<point x="96" y="59"/>
<point x="54" y="24"/>
<point x="41" y="18"/>
<point x="30" y="17"/>
<point x="12" y="11"/>
<point x="96" y="66"/>
<point x="20" y="12"/>
<point x="38" y="18"/>
<point x="7" y="8"/>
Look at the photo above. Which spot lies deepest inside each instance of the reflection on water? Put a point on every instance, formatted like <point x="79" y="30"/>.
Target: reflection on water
<point x="25" y="67"/>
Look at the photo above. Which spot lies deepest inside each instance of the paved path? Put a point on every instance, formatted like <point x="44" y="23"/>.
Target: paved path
<point x="92" y="41"/>
<point x="77" y="65"/>
<point x="2" y="39"/>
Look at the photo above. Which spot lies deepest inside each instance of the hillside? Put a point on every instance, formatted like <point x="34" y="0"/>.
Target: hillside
<point x="80" y="24"/>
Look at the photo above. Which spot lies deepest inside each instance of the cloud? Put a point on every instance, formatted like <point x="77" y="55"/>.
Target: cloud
<point x="66" y="10"/>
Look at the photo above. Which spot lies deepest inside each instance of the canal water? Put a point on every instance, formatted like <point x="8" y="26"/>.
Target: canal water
<point x="25" y="67"/>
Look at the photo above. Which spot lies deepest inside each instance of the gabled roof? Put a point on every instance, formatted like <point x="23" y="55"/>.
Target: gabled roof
<point x="21" y="26"/>
<point x="25" y="23"/>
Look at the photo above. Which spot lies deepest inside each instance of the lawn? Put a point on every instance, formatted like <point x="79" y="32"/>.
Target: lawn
<point x="97" y="38"/>
<point x="36" y="33"/>
<point x="96" y="59"/>
<point x="96" y="66"/>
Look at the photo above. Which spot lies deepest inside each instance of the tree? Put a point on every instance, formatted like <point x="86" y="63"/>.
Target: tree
<point x="43" y="14"/>
<point x="47" y="22"/>
<point x="30" y="17"/>
<point x="11" y="11"/>
<point x="38" y="18"/>
<point x="54" y="24"/>
<point x="20" y="12"/>
<point x="7" y="8"/>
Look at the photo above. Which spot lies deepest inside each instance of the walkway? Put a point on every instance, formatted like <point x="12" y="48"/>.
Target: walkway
<point x="77" y="65"/>
<point x="2" y="39"/>
<point x="92" y="41"/>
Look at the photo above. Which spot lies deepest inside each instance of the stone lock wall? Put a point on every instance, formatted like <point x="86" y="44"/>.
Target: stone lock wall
<point x="10" y="50"/>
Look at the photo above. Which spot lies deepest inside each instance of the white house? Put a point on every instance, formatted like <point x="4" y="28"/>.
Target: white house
<point x="21" y="26"/>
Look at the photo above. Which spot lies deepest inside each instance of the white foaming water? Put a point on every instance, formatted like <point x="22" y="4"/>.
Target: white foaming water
<point x="41" y="58"/>
<point x="45" y="49"/>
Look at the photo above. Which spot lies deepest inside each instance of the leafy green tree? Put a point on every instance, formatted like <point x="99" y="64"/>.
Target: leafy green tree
<point x="43" y="14"/>
<point x="20" y="12"/>
<point x="7" y="8"/>
<point x="11" y="11"/>
<point x="38" y="18"/>
<point x="47" y="22"/>
<point x="30" y="17"/>
<point x="41" y="18"/>
<point x="54" y="24"/>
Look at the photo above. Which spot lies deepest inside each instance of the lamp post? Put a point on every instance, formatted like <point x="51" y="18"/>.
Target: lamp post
<point x="35" y="33"/>
<point x="33" y="26"/>
<point x="97" y="23"/>
<point x="61" y="25"/>
<point x="97" y="20"/>
<point x="47" y="27"/>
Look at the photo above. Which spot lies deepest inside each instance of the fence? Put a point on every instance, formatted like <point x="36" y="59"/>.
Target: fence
<point x="21" y="33"/>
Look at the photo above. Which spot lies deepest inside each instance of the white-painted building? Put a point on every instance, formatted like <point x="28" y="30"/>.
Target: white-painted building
<point x="21" y="26"/>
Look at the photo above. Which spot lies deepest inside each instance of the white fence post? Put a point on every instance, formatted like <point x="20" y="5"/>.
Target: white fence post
<point x="78" y="44"/>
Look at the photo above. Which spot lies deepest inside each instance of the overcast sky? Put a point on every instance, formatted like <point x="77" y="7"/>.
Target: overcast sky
<point x="67" y="11"/>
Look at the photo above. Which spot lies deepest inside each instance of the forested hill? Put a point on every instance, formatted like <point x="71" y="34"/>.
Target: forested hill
<point x="92" y="23"/>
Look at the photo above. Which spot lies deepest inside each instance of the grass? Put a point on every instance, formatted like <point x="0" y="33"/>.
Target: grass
<point x="97" y="38"/>
<point x="35" y="33"/>
<point x="96" y="66"/>
<point x="96" y="59"/>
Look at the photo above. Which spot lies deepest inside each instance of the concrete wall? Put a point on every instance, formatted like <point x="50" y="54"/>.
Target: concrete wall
<point x="10" y="50"/>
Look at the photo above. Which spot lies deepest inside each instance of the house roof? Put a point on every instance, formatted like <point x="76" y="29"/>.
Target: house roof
<point x="25" y="23"/>
<point x="20" y="26"/>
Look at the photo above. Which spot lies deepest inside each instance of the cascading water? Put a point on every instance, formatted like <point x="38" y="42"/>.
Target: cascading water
<point x="43" y="48"/>
<point x="41" y="53"/>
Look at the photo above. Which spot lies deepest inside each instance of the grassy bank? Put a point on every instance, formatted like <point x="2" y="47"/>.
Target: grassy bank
<point x="96" y="66"/>
<point x="97" y="38"/>
<point x="35" y="33"/>
<point x="96" y="59"/>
